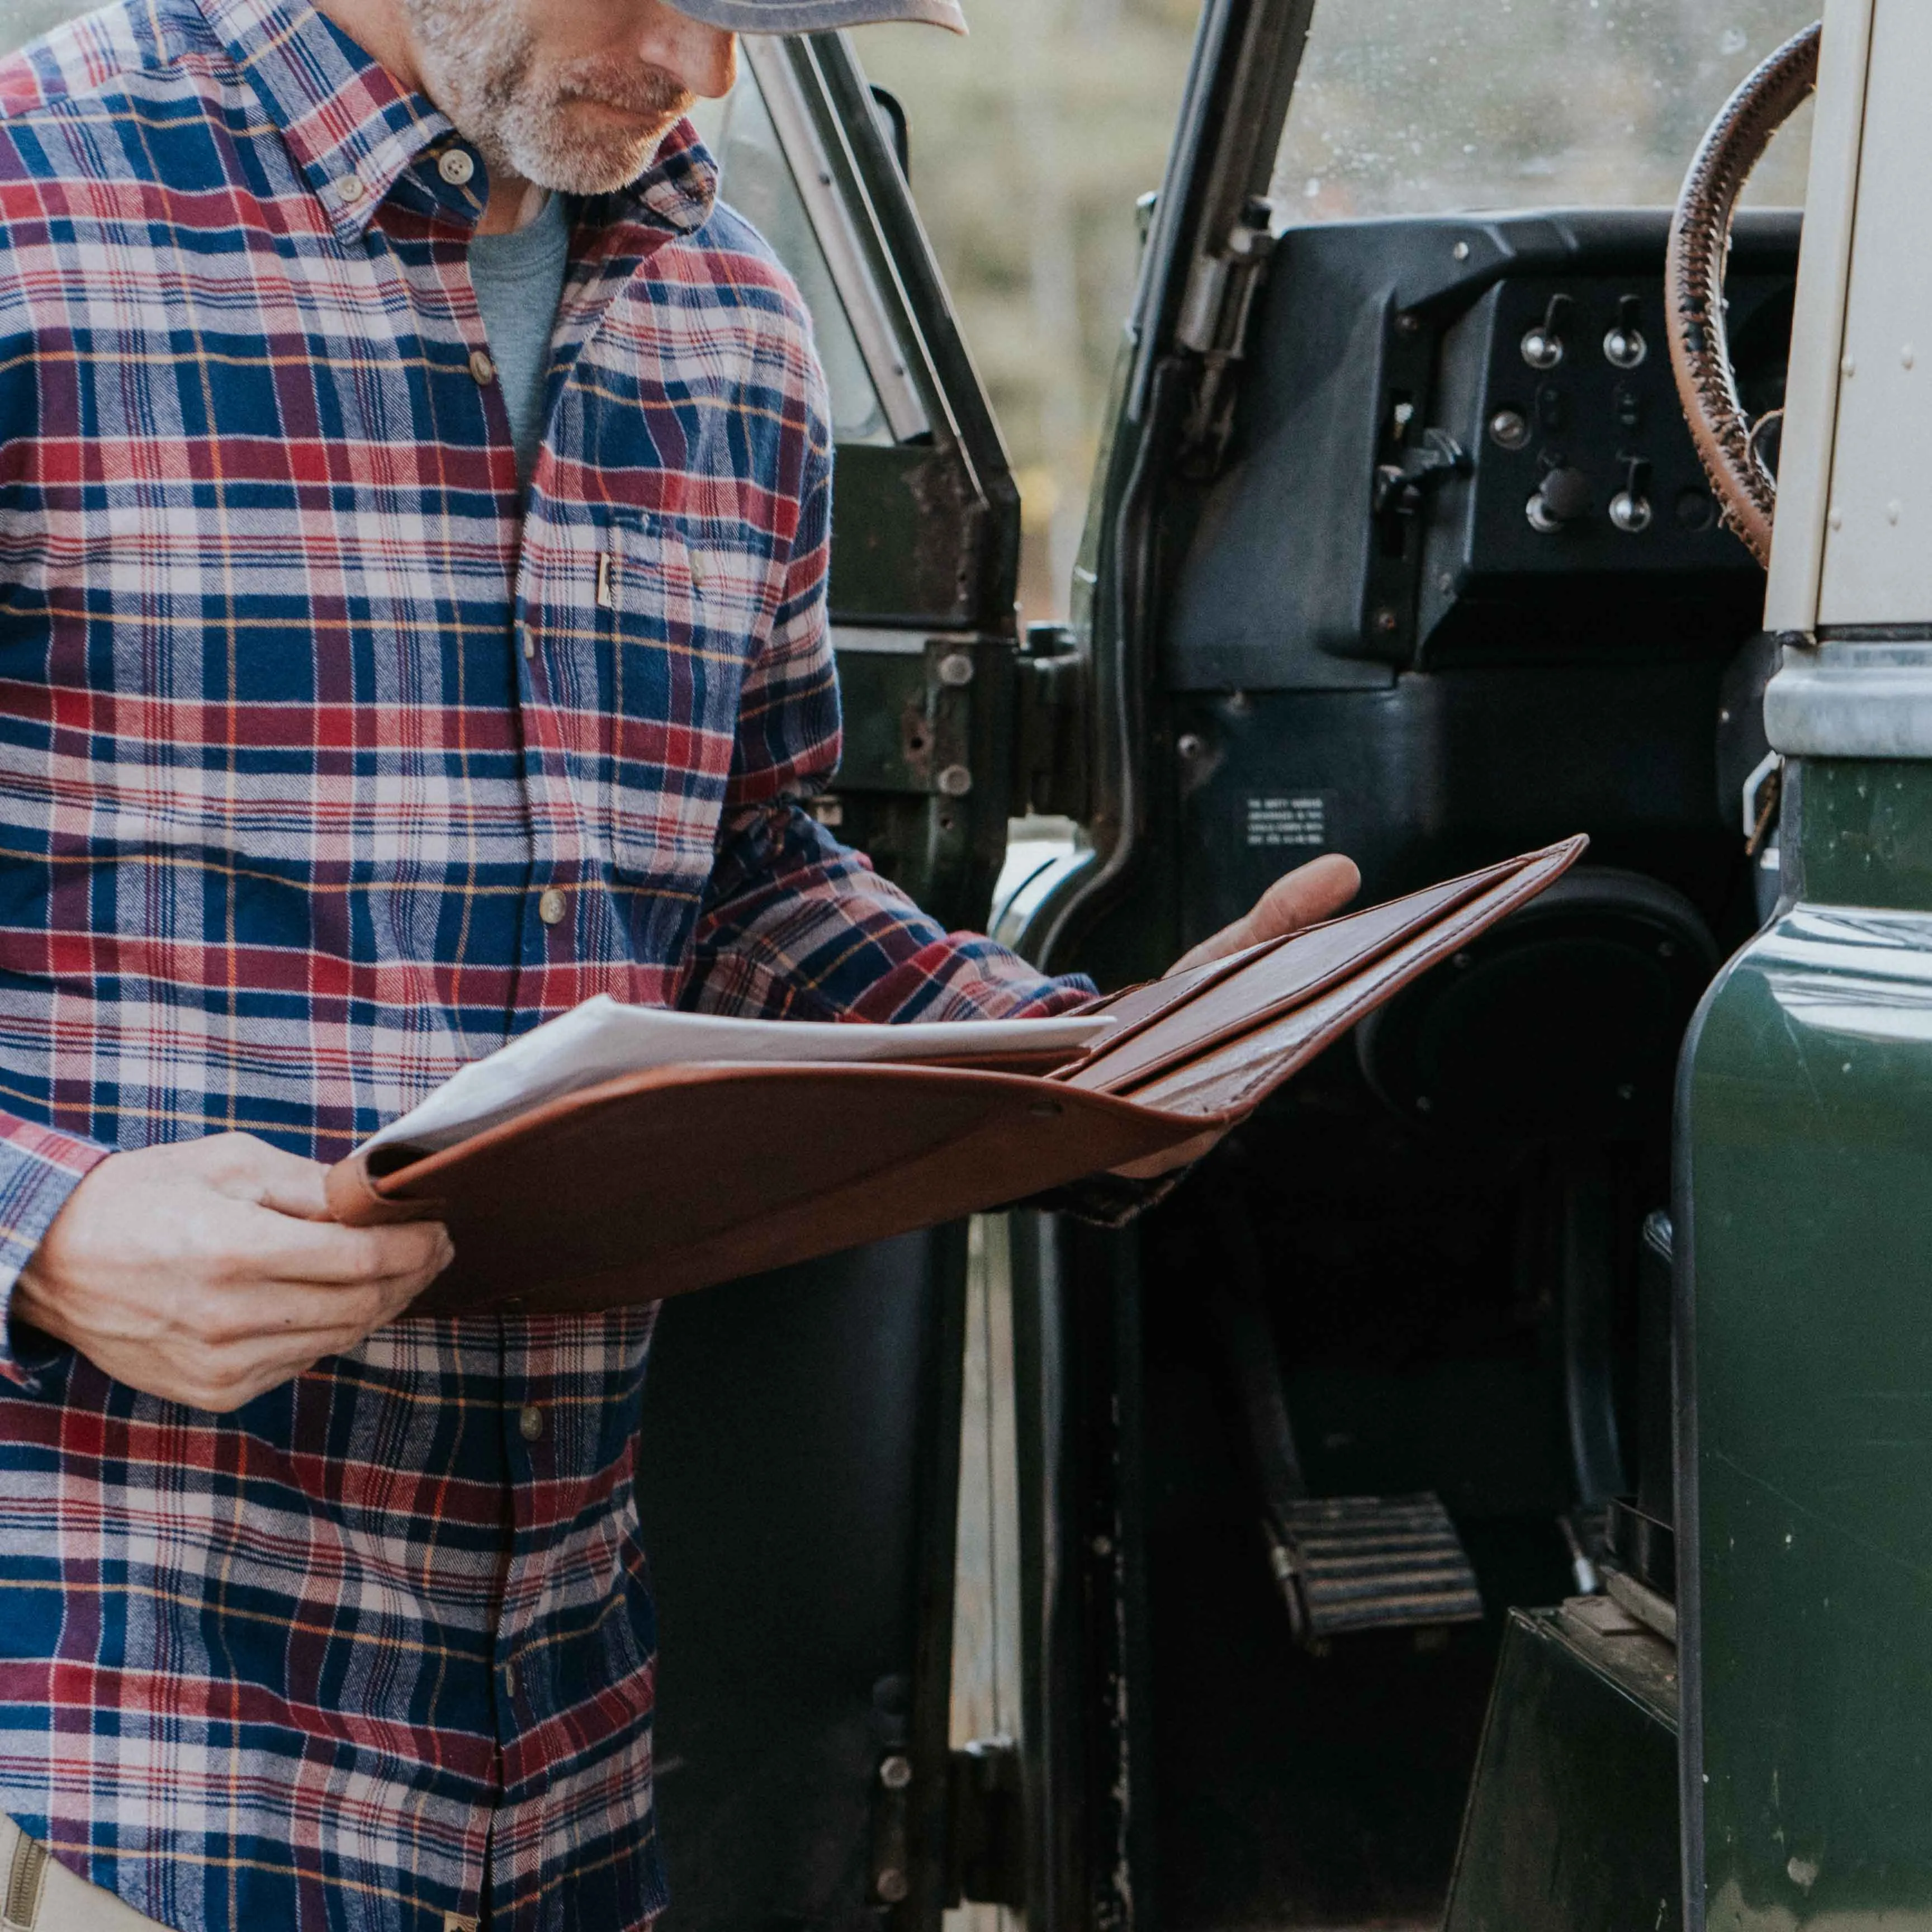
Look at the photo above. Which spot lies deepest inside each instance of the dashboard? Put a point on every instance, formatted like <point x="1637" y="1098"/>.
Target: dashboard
<point x="1459" y="442"/>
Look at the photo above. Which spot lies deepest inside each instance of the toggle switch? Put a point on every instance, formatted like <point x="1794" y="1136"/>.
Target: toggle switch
<point x="1542" y="345"/>
<point x="1630" y="508"/>
<point x="1624" y="347"/>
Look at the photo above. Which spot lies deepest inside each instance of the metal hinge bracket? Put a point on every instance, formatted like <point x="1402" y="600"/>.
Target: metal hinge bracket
<point x="1050" y="725"/>
<point x="986" y="1841"/>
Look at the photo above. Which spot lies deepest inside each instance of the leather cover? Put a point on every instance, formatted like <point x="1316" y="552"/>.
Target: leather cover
<point x="672" y="1180"/>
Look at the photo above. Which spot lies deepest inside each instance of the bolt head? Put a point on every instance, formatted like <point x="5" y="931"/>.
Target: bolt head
<point x="895" y="1773"/>
<point x="1386" y="621"/>
<point x="955" y="780"/>
<point x="956" y="669"/>
<point x="891" y="1885"/>
<point x="1190" y="745"/>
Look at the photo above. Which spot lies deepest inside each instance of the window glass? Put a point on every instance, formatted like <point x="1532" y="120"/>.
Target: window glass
<point x="1413" y="106"/>
<point x="758" y="182"/>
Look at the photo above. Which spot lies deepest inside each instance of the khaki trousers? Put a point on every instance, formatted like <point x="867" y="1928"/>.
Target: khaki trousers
<point x="36" y="1895"/>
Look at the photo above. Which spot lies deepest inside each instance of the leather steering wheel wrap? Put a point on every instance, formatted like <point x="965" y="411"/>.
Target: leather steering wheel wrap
<point x="1694" y="286"/>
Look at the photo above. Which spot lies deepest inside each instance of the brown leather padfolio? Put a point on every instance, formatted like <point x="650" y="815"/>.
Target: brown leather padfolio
<point x="661" y="1182"/>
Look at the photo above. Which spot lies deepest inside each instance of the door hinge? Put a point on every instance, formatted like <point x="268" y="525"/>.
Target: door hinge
<point x="986" y="1839"/>
<point x="1050" y="726"/>
<point x="1215" y="312"/>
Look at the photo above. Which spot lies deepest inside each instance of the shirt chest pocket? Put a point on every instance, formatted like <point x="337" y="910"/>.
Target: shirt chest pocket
<point x="681" y="616"/>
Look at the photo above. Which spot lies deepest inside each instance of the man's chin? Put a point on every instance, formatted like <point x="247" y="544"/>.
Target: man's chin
<point x="597" y="150"/>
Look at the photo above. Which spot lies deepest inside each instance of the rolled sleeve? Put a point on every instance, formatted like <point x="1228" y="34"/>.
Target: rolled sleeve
<point x="39" y="1169"/>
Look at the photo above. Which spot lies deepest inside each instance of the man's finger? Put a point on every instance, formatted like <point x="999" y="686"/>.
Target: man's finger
<point x="248" y="1169"/>
<point x="1305" y="896"/>
<point x="326" y="1254"/>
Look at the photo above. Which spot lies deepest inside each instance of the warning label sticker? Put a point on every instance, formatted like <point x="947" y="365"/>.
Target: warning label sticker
<point x="1279" y="818"/>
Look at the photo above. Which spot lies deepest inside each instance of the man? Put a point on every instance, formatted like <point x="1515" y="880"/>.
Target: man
<point x="412" y="623"/>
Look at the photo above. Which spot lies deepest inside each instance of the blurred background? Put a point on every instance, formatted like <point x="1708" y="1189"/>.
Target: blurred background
<point x="1033" y="139"/>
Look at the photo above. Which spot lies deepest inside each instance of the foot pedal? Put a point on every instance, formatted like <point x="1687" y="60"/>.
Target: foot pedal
<point x="1358" y="1563"/>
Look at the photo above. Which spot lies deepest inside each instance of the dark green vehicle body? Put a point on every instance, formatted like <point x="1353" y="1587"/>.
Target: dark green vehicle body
<point x="1807" y="1158"/>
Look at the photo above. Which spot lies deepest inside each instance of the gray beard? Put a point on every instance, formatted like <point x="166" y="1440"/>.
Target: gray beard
<point x="478" y="66"/>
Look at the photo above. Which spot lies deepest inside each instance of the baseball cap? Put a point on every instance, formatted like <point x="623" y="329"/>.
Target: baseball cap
<point x="818" y="16"/>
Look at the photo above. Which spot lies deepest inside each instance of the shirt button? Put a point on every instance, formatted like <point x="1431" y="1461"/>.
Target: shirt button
<point x="552" y="906"/>
<point x="351" y="189"/>
<point x="481" y="366"/>
<point x="456" y="167"/>
<point x="510" y="1679"/>
<point x="529" y="1422"/>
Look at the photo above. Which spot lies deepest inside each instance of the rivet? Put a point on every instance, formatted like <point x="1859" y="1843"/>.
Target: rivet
<point x="895" y="1773"/>
<point x="1190" y="745"/>
<point x="1461" y="251"/>
<point x="955" y="780"/>
<point x="1848" y="366"/>
<point x="1836" y="518"/>
<point x="956" y="669"/>
<point x="891" y="1884"/>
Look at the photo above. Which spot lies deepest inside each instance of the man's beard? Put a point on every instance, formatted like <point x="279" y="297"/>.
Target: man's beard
<point x="479" y="67"/>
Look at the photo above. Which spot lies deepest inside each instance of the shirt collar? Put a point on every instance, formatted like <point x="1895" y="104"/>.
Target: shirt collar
<point x="355" y="131"/>
<point x="351" y="128"/>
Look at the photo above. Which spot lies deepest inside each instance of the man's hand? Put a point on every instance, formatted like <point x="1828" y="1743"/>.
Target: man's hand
<point x="1305" y="896"/>
<point x="209" y="1272"/>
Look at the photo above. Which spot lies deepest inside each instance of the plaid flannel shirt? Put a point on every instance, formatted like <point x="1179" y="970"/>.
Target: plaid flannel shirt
<point x="328" y="762"/>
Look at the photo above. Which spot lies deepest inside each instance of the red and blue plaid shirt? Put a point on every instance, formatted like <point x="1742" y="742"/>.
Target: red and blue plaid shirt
<point x="305" y="715"/>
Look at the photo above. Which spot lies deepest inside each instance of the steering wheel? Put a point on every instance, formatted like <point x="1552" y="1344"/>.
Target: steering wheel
<point x="1694" y="287"/>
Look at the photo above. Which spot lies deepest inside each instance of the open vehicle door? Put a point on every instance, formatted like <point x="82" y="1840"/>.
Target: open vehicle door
<point x="798" y="1462"/>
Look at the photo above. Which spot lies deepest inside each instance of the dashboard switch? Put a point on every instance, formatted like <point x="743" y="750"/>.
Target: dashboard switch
<point x="1564" y="498"/>
<point x="1624" y="347"/>
<point x="1630" y="508"/>
<point x="1542" y="345"/>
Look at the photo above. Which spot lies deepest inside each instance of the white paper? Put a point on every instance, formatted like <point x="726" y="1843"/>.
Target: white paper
<point x="601" y="1040"/>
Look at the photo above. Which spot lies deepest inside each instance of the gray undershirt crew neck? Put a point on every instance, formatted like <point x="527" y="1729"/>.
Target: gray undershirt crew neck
<point x="519" y="281"/>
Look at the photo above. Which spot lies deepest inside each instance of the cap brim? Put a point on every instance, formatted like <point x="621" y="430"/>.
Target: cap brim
<point x="819" y="17"/>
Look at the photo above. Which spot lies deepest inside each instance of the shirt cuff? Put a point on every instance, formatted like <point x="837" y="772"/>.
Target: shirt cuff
<point x="39" y="1168"/>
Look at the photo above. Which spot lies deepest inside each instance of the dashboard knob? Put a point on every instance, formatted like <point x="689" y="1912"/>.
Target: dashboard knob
<point x="1563" y="498"/>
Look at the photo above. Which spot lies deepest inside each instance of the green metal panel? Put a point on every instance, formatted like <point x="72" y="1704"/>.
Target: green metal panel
<point x="1806" y="1172"/>
<point x="1572" y="1825"/>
